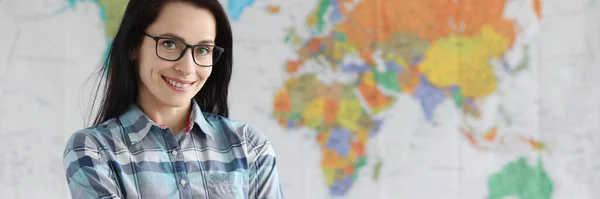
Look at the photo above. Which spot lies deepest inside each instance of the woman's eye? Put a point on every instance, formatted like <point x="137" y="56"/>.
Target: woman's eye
<point x="202" y="50"/>
<point x="169" y="44"/>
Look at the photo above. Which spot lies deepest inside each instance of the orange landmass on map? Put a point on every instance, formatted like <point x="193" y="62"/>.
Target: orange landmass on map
<point x="536" y="145"/>
<point x="537" y="8"/>
<point x="293" y="66"/>
<point x="273" y="9"/>
<point x="378" y="20"/>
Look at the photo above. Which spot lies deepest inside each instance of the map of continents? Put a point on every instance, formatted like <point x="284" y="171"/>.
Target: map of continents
<point x="431" y="49"/>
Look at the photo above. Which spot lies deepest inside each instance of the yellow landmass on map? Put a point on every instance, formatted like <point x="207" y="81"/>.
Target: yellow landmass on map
<point x="464" y="61"/>
<point x="113" y="12"/>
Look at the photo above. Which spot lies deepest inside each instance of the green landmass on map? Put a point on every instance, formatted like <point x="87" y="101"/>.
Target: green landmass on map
<point x="519" y="178"/>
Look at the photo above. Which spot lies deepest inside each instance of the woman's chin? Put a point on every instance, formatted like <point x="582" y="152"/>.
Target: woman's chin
<point x="177" y="101"/>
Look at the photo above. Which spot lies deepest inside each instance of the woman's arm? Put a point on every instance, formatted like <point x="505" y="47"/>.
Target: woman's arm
<point x="264" y="179"/>
<point x="88" y="175"/>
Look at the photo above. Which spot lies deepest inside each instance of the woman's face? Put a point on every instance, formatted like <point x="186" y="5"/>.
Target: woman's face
<point x="174" y="83"/>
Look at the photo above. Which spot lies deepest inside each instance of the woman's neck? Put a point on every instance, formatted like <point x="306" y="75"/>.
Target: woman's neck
<point x="176" y="118"/>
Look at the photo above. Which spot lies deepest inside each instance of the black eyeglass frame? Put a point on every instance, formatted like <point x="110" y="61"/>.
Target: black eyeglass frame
<point x="215" y="59"/>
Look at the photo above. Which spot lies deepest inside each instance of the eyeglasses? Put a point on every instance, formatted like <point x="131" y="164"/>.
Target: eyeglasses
<point x="171" y="49"/>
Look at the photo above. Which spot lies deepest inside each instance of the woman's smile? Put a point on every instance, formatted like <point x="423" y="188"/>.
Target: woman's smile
<point x="178" y="84"/>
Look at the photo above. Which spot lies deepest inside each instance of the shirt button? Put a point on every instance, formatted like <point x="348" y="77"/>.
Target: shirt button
<point x="182" y="182"/>
<point x="174" y="153"/>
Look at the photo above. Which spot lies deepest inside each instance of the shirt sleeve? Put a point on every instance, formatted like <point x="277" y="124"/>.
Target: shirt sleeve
<point x="264" y="179"/>
<point x="88" y="174"/>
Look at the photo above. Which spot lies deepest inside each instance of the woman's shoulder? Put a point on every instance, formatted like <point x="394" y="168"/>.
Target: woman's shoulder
<point x="96" y="136"/>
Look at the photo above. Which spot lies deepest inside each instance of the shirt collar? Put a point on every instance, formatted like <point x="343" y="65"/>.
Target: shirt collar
<point x="137" y="124"/>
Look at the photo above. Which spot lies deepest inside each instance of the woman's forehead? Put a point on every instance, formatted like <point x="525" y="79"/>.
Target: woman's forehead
<point x="192" y="24"/>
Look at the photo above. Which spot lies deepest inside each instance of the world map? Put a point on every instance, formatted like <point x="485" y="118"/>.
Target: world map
<point x="375" y="98"/>
<point x="429" y="49"/>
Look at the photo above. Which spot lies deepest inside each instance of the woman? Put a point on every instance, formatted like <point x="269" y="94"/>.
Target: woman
<point x="169" y="62"/>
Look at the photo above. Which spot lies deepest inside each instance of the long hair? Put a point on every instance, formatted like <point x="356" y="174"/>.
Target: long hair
<point x="120" y="77"/>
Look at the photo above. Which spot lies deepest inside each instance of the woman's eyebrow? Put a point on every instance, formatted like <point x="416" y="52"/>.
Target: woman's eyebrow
<point x="175" y="36"/>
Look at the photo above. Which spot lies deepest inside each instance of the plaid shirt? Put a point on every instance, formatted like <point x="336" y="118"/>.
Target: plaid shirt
<point x="132" y="157"/>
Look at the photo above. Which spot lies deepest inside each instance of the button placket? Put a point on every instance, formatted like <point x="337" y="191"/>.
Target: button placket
<point x="179" y="166"/>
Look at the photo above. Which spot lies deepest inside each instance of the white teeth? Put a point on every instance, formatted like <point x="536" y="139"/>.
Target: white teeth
<point x="177" y="84"/>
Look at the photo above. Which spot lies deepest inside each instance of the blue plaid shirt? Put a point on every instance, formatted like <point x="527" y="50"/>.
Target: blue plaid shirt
<point x="132" y="157"/>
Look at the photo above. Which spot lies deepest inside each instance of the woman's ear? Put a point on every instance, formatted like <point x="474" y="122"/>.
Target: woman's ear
<point x="132" y="54"/>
